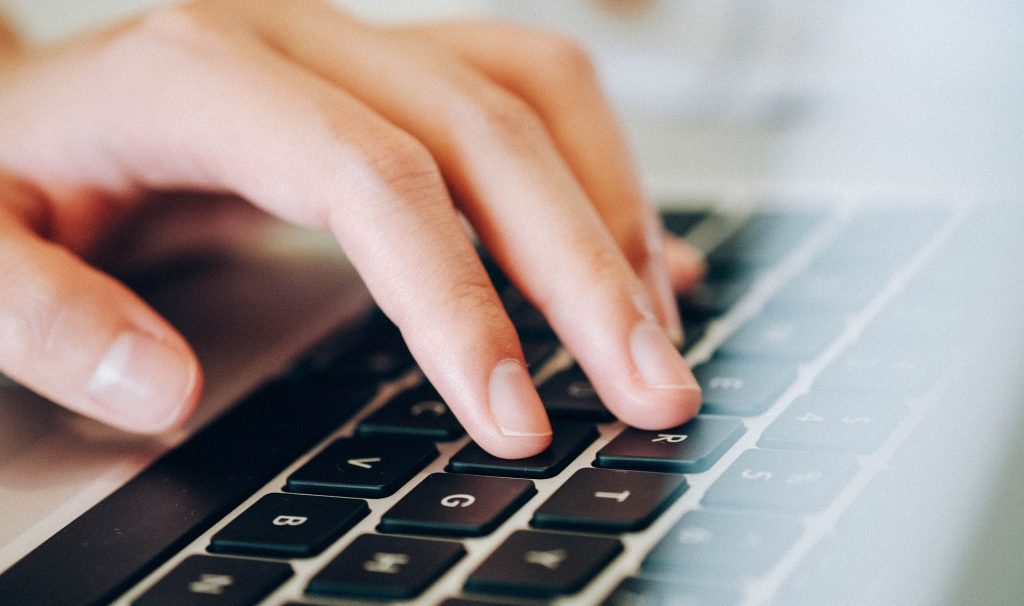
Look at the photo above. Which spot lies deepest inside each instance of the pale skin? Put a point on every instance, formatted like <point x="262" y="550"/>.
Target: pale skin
<point x="385" y="137"/>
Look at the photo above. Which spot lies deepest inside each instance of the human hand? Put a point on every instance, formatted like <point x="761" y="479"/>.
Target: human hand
<point x="382" y="136"/>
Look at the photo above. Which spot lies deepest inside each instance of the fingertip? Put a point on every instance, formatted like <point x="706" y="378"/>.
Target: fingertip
<point x="663" y="408"/>
<point x="522" y="424"/>
<point x="685" y="263"/>
<point x="144" y="384"/>
<point x="515" y="447"/>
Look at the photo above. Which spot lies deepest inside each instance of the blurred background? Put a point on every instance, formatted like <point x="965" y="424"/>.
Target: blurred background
<point x="913" y="95"/>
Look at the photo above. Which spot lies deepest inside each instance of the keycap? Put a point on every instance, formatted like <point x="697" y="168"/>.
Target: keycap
<point x="765" y="238"/>
<point x="537" y="351"/>
<point x="385" y="568"/>
<point x="834" y="422"/>
<point x="419" y="412"/>
<point x="793" y="336"/>
<point x="289" y="526"/>
<point x="542" y="564"/>
<point x="907" y="370"/>
<point x="924" y="320"/>
<point x="635" y="591"/>
<point x="362" y="467"/>
<point x="382" y="353"/>
<point x="458" y="505"/>
<point x="742" y="387"/>
<point x="838" y="571"/>
<point x="468" y="602"/>
<point x="606" y="500"/>
<point x="570" y="395"/>
<point x="529" y="321"/>
<point x="693" y="330"/>
<point x="778" y="480"/>
<point x="681" y="221"/>
<point x="719" y="547"/>
<point x="690" y="448"/>
<point x="216" y="581"/>
<point x="714" y="296"/>
<point x="823" y="288"/>
<point x="567" y="442"/>
<point x="883" y="236"/>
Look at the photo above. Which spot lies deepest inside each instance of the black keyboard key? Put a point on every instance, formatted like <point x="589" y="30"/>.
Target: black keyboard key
<point x="742" y="387"/>
<point x="289" y="526"/>
<point x="693" y="330"/>
<point x="385" y="568"/>
<point x="570" y="395"/>
<point x="681" y="221"/>
<point x="888" y="236"/>
<point x="777" y="480"/>
<point x="542" y="564"/>
<point x="216" y="581"/>
<point x="468" y="602"/>
<point x="567" y="442"/>
<point x="834" y="422"/>
<point x="690" y="448"/>
<point x="907" y="370"/>
<point x="634" y="591"/>
<point x="784" y="335"/>
<point x="537" y="351"/>
<point x="457" y="505"/>
<point x="823" y="288"/>
<point x="362" y="467"/>
<point x="765" y="238"/>
<point x="605" y="500"/>
<point x="528" y="320"/>
<point x="839" y="571"/>
<point x="419" y="413"/>
<point x="714" y="296"/>
<point x="382" y="354"/>
<point x="719" y="547"/>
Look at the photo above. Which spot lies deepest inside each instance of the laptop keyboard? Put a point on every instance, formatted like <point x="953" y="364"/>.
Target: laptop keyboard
<point x="792" y="336"/>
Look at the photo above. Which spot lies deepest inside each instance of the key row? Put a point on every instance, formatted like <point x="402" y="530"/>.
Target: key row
<point x="724" y="547"/>
<point x="528" y="563"/>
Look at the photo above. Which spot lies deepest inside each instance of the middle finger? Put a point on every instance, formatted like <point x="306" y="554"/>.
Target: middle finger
<point x="521" y="198"/>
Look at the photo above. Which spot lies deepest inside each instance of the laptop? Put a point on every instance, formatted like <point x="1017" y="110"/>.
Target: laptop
<point x="857" y="339"/>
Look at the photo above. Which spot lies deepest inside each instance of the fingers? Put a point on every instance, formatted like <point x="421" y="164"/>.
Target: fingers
<point x="685" y="263"/>
<point x="337" y="126"/>
<point x="309" y="152"/>
<point x="554" y="75"/>
<point x="82" y="339"/>
<point x="524" y="202"/>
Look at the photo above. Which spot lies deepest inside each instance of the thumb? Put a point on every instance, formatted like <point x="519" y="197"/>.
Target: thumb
<point x="84" y="340"/>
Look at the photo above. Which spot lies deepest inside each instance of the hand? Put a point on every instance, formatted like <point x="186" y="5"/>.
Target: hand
<point x="382" y="136"/>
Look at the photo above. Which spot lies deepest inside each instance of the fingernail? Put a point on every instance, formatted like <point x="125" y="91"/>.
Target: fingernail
<point x="656" y="359"/>
<point x="143" y="382"/>
<point x="514" y="401"/>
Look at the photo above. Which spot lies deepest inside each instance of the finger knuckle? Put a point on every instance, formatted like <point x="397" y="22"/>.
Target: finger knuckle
<point x="178" y="28"/>
<point x="565" y="56"/>
<point x="604" y="264"/>
<point x="632" y="238"/>
<point x="505" y="118"/>
<point x="31" y="313"/>
<point x="473" y="294"/>
<point x="404" y="167"/>
<point x="468" y="297"/>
